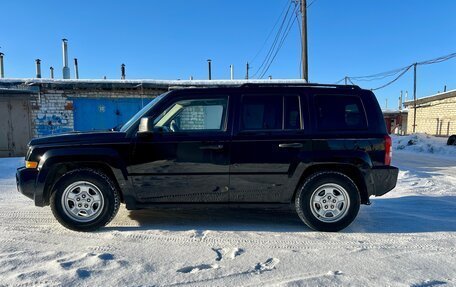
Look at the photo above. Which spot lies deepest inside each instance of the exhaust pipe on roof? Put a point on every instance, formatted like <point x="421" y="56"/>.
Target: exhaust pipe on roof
<point x="38" y="68"/>
<point x="76" y="69"/>
<point x="122" y="71"/>
<point x="209" y="66"/>
<point x="66" y="70"/>
<point x="2" y="72"/>
<point x="52" y="72"/>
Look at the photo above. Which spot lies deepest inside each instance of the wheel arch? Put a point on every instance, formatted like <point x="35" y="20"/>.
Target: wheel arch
<point x="54" y="164"/>
<point x="347" y="169"/>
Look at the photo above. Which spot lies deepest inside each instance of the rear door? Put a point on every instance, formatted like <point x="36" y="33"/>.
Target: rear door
<point x="268" y="138"/>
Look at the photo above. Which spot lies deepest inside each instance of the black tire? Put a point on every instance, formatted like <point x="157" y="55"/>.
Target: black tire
<point x="451" y="140"/>
<point x="107" y="211"/>
<point x="307" y="212"/>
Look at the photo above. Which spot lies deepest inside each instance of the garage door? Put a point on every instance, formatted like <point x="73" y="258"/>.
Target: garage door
<point x="103" y="114"/>
<point x="15" y="130"/>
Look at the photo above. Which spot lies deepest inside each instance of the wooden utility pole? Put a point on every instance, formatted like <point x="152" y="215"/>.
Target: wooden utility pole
<point x="305" y="72"/>
<point x="414" y="97"/>
<point x="247" y="71"/>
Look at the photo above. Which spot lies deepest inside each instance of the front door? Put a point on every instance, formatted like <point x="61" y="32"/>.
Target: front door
<point x="187" y="158"/>
<point x="266" y="147"/>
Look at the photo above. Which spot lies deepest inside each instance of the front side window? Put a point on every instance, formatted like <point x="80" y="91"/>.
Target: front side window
<point x="340" y="112"/>
<point x="193" y="115"/>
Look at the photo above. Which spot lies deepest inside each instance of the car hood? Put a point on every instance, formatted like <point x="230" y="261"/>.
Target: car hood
<point x="80" y="138"/>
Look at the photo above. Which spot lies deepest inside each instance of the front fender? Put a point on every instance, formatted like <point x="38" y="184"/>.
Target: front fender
<point x="53" y="157"/>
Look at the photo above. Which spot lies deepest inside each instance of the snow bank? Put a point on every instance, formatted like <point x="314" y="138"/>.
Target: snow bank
<point x="424" y="143"/>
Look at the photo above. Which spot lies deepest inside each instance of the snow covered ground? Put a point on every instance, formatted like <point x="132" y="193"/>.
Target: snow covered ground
<point x="406" y="238"/>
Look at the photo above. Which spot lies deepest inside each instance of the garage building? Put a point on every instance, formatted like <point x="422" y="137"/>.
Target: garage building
<point x="435" y="115"/>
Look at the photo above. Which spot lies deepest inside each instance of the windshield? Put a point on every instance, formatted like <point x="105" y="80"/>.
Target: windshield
<point x="141" y="113"/>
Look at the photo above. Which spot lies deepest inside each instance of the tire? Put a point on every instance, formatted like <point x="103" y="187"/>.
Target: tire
<point x="328" y="201"/>
<point x="451" y="140"/>
<point x="85" y="200"/>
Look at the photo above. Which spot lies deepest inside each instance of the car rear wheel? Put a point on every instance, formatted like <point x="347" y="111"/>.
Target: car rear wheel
<point x="85" y="200"/>
<point x="451" y="140"/>
<point x="328" y="201"/>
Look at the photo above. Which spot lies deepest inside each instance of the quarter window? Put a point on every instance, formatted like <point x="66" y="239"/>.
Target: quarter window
<point x="340" y="112"/>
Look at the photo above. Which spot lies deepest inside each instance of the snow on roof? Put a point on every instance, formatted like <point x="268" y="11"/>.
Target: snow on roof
<point x="32" y="81"/>
<point x="439" y="96"/>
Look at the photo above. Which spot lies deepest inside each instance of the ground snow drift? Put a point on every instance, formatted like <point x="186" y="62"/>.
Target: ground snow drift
<point x="423" y="143"/>
<point x="406" y="238"/>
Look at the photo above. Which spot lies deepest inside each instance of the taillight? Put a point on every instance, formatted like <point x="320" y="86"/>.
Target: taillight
<point x="388" y="150"/>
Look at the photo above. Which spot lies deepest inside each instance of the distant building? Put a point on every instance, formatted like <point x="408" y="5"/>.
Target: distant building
<point x="435" y="115"/>
<point x="396" y="121"/>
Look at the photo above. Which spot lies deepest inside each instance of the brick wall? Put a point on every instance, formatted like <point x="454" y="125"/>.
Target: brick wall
<point x="51" y="113"/>
<point x="435" y="118"/>
<point x="192" y="118"/>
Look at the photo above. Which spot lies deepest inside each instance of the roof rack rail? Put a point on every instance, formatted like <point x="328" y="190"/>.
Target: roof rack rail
<point x="299" y="85"/>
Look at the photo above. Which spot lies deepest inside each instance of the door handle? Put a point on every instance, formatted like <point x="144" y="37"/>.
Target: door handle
<point x="212" y="147"/>
<point x="291" y="145"/>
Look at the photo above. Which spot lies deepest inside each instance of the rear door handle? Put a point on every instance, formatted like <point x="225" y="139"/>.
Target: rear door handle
<point x="212" y="147"/>
<point x="291" y="145"/>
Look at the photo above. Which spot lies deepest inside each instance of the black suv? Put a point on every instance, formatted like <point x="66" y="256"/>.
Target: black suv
<point x="321" y="149"/>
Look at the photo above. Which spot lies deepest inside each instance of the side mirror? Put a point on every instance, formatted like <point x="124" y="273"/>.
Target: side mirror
<point x="145" y="125"/>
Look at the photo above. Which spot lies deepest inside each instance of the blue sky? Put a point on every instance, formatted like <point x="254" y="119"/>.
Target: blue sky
<point x="173" y="39"/>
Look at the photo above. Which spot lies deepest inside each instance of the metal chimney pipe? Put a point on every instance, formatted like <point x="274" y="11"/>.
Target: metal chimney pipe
<point x="52" y="72"/>
<point x="232" y="72"/>
<point x="38" y="68"/>
<point x="400" y="102"/>
<point x="66" y="70"/>
<point x="209" y="62"/>
<point x="122" y="71"/>
<point x="2" y="72"/>
<point x="76" y="69"/>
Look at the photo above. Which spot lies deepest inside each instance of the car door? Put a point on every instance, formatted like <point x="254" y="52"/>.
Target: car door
<point x="268" y="138"/>
<point x="188" y="160"/>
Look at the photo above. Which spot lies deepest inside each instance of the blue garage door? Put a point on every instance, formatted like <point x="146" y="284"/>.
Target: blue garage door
<point x="102" y="113"/>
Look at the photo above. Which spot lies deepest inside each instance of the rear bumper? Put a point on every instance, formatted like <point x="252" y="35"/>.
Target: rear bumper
<point x="26" y="181"/>
<point x="384" y="179"/>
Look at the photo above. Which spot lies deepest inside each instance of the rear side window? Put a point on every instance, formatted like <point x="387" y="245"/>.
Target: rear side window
<point x="270" y="113"/>
<point x="340" y="112"/>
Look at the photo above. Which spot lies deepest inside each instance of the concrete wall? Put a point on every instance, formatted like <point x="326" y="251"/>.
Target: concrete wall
<point x="436" y="117"/>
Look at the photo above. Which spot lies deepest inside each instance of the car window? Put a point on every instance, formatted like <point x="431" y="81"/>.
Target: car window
<point x="270" y="113"/>
<point x="340" y="112"/>
<point x="292" y="117"/>
<point x="193" y="115"/>
<point x="261" y="113"/>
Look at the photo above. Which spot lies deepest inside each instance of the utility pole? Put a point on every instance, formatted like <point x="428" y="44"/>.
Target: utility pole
<point x="346" y="80"/>
<point x="414" y="97"/>
<point x="247" y="71"/>
<point x="305" y="72"/>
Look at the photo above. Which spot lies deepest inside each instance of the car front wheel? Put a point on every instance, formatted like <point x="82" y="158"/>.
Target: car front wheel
<point x="328" y="201"/>
<point x="85" y="200"/>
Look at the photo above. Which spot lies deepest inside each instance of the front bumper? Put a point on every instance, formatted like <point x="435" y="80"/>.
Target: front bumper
<point x="26" y="181"/>
<point x="384" y="179"/>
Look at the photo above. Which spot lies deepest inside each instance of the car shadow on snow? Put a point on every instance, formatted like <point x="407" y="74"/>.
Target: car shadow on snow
<point x="408" y="214"/>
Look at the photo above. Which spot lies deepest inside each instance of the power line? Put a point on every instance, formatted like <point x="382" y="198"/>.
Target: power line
<point x="276" y="38"/>
<point x="287" y="4"/>
<point x="287" y="29"/>
<point x="398" y="73"/>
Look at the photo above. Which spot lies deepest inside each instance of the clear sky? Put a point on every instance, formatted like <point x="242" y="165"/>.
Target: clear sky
<point x="173" y="39"/>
